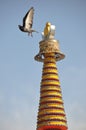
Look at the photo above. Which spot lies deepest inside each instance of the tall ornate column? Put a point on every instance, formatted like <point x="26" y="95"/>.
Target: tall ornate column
<point x="51" y="113"/>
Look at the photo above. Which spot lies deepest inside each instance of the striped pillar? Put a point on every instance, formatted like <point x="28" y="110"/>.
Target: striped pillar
<point x="51" y="114"/>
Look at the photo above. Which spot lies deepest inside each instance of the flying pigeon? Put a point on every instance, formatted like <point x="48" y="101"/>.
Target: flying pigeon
<point x="28" y="22"/>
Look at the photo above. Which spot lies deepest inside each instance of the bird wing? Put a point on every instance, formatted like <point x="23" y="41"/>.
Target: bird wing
<point x="28" y="19"/>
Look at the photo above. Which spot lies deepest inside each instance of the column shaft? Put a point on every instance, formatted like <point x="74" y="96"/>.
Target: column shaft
<point x="51" y="114"/>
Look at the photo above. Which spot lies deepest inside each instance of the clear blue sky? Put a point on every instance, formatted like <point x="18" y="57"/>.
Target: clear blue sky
<point x="20" y="74"/>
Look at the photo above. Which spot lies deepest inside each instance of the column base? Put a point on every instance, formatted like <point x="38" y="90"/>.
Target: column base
<point x="52" y="127"/>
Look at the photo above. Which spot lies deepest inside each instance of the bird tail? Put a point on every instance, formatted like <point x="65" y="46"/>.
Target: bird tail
<point x="35" y="31"/>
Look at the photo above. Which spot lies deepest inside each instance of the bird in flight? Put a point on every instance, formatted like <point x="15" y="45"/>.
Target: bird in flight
<point x="28" y="22"/>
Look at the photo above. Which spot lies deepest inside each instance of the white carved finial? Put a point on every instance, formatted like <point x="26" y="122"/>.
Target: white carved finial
<point x="51" y="33"/>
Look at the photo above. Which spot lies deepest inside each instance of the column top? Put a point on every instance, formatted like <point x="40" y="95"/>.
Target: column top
<point x="49" y="44"/>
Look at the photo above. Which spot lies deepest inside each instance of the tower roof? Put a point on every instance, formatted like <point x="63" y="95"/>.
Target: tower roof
<point x="49" y="46"/>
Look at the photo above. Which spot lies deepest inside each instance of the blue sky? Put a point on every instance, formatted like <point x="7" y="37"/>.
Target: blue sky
<point x="20" y="74"/>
